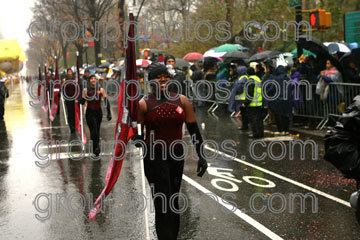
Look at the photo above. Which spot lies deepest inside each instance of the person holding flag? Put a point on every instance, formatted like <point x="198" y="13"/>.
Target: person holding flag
<point x="92" y="97"/>
<point x="55" y="89"/>
<point x="71" y="90"/>
<point x="163" y="117"/>
<point x="44" y="96"/>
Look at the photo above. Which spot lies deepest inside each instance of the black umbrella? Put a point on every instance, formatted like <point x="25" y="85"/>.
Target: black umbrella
<point x="200" y="61"/>
<point x="236" y="55"/>
<point x="104" y="65"/>
<point x="259" y="57"/>
<point x="321" y="51"/>
<point x="181" y="63"/>
<point x="353" y="55"/>
<point x="156" y="51"/>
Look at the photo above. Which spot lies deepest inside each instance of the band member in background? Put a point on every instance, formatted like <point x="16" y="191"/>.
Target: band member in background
<point x="71" y="92"/>
<point x="92" y="96"/>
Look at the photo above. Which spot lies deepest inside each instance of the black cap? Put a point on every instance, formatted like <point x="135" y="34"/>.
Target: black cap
<point x="87" y="70"/>
<point x="167" y="57"/>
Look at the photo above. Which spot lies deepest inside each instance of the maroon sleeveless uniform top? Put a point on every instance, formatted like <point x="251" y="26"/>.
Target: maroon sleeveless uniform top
<point x="165" y="119"/>
<point x="70" y="88"/>
<point x="96" y="102"/>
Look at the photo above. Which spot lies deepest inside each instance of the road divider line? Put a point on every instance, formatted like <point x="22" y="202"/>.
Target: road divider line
<point x="237" y="212"/>
<point x="282" y="177"/>
<point x="66" y="155"/>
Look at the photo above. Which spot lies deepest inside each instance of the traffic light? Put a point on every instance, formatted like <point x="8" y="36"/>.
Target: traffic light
<point x="320" y="19"/>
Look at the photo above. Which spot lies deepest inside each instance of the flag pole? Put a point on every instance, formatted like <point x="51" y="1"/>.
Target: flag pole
<point x="81" y="107"/>
<point x="63" y="106"/>
<point x="143" y="187"/>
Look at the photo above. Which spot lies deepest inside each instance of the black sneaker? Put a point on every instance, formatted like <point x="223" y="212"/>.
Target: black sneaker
<point x="255" y="137"/>
<point x="97" y="152"/>
<point x="243" y="128"/>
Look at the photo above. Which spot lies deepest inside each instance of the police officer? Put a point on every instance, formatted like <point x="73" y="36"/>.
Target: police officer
<point x="253" y="103"/>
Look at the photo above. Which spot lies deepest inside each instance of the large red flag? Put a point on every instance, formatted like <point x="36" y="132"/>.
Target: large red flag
<point x="56" y="92"/>
<point x="126" y="122"/>
<point x="78" y="111"/>
<point x="39" y="85"/>
<point x="44" y="97"/>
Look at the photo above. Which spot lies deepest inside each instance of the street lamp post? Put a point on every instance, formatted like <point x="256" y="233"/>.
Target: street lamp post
<point x="135" y="10"/>
<point x="298" y="10"/>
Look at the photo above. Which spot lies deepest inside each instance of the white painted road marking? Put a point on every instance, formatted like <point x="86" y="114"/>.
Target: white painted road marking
<point x="282" y="178"/>
<point x="237" y="212"/>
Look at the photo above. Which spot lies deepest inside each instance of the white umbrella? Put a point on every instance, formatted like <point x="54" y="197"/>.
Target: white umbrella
<point x="212" y="53"/>
<point x="334" y="45"/>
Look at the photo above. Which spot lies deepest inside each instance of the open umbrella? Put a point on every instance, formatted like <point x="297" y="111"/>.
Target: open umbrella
<point x="335" y="47"/>
<point x="181" y="63"/>
<point x="156" y="51"/>
<point x="354" y="55"/>
<point x="212" y="53"/>
<point x="321" y="51"/>
<point x="142" y="62"/>
<point x="236" y="54"/>
<point x="259" y="57"/>
<point x="229" y="47"/>
<point x="193" y="56"/>
<point x="104" y="65"/>
<point x="305" y="52"/>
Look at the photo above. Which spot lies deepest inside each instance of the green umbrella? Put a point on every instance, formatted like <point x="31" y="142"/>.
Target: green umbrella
<point x="305" y="52"/>
<point x="228" y="47"/>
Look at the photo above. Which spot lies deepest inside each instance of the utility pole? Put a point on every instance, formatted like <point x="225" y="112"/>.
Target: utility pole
<point x="135" y="10"/>
<point x="298" y="19"/>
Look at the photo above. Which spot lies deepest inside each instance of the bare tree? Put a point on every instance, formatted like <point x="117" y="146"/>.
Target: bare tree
<point x="96" y="10"/>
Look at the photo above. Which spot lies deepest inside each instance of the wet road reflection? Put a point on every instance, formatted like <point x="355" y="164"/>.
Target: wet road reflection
<point x="62" y="193"/>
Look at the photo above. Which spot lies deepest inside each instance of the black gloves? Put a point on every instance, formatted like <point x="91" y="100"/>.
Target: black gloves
<point x="107" y="103"/>
<point x="197" y="141"/>
<point x="82" y="101"/>
<point x="140" y="139"/>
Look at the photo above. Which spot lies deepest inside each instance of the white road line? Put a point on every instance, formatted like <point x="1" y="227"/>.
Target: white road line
<point x="62" y="155"/>
<point x="237" y="212"/>
<point x="283" y="178"/>
<point x="60" y="145"/>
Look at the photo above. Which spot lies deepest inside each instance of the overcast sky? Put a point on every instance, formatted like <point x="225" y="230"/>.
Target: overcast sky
<point x="15" y="17"/>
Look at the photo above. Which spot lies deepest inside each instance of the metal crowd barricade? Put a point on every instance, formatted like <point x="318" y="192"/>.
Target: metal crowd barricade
<point x="310" y="105"/>
<point x="340" y="96"/>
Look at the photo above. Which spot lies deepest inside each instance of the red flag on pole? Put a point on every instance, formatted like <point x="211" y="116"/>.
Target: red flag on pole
<point x="39" y="84"/>
<point x="78" y="108"/>
<point x="126" y="122"/>
<point x="44" y="98"/>
<point x="56" y="92"/>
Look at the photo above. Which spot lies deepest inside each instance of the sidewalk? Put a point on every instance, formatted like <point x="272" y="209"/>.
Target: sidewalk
<point x="303" y="132"/>
<point x="319" y="134"/>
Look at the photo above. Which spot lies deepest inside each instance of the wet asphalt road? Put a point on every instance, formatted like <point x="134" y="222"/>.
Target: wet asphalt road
<point x="44" y="203"/>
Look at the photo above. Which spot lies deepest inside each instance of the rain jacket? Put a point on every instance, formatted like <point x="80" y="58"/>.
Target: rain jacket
<point x="343" y="142"/>
<point x="234" y="105"/>
<point x="282" y="105"/>
<point x="295" y="78"/>
<point x="223" y="73"/>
